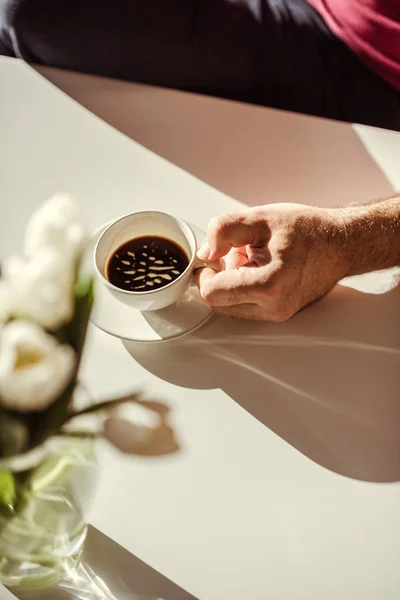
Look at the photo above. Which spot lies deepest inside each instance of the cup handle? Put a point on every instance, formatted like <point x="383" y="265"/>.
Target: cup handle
<point x="199" y="264"/>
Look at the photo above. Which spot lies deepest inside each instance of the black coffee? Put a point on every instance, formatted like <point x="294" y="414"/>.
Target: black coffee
<point x="146" y="263"/>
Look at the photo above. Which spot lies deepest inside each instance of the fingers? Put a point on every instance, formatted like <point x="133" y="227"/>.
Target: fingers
<point x="234" y="230"/>
<point x="236" y="257"/>
<point x="245" y="293"/>
<point x="226" y="288"/>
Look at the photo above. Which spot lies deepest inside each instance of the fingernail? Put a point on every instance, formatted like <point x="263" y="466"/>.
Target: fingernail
<point x="204" y="251"/>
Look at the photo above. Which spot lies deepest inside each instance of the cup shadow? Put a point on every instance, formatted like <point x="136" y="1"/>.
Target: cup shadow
<point x="327" y="381"/>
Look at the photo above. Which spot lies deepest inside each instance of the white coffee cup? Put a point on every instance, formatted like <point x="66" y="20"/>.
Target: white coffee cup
<point x="140" y="224"/>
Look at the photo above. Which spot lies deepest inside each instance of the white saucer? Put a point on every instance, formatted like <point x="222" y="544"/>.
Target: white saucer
<point x="127" y="323"/>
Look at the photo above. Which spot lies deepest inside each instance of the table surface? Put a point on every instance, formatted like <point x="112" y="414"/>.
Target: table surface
<point x="287" y="484"/>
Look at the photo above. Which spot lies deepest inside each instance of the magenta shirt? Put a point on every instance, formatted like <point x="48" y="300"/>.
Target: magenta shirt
<point x="371" y="28"/>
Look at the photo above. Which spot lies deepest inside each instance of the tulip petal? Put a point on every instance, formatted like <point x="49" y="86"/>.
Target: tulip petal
<point x="56" y="224"/>
<point x="34" y="367"/>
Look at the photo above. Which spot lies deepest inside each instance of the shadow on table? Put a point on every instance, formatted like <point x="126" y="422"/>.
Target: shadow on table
<point x="327" y="381"/>
<point x="113" y="573"/>
<point x="255" y="155"/>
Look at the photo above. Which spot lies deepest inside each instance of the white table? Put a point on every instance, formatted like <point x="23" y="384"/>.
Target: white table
<point x="287" y="485"/>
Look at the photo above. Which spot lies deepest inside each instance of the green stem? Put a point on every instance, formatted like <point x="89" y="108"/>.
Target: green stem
<point x="81" y="434"/>
<point x="106" y="405"/>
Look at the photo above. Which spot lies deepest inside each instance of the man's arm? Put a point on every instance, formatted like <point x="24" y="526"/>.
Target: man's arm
<point x="371" y="235"/>
<point x="281" y="257"/>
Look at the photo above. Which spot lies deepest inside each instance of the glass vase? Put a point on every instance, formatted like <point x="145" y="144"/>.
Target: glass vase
<point x="42" y="540"/>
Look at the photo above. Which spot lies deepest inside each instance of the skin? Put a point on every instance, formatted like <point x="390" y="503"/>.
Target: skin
<point x="279" y="258"/>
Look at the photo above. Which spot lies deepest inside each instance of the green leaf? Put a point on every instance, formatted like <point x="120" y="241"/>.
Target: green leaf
<point x="8" y="493"/>
<point x="84" y="296"/>
<point x="14" y="434"/>
<point x="53" y="418"/>
<point x="74" y="333"/>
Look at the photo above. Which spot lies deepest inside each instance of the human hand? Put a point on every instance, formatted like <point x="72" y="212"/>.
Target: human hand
<point x="277" y="259"/>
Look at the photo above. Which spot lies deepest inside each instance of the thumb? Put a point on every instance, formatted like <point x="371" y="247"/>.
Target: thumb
<point x="235" y="230"/>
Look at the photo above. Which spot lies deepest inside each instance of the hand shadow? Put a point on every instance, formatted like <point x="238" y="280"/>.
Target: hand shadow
<point x="327" y="381"/>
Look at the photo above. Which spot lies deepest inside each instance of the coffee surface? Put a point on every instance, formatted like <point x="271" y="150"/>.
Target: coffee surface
<point x="146" y="263"/>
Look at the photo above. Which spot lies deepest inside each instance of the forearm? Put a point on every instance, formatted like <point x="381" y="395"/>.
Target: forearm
<point x="369" y="236"/>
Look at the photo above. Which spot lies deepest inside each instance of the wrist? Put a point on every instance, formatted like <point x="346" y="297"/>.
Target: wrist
<point x="339" y="227"/>
<point x="367" y="238"/>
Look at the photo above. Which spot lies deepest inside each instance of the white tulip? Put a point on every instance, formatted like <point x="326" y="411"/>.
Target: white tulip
<point x="42" y="287"/>
<point x="56" y="224"/>
<point x="34" y="368"/>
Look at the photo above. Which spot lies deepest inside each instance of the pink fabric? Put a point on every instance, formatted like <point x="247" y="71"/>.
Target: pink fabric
<point x="371" y="28"/>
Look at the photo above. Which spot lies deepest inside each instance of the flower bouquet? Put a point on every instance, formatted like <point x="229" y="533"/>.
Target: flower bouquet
<point x="47" y="461"/>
